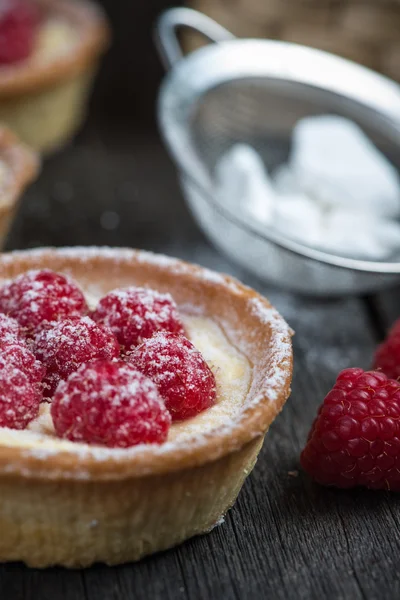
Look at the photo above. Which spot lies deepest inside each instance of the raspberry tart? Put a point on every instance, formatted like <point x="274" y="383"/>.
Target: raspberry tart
<point x="137" y="446"/>
<point x="49" y="52"/>
<point x="18" y="168"/>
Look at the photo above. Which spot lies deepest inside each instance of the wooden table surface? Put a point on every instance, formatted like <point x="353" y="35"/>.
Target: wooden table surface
<point x="285" y="537"/>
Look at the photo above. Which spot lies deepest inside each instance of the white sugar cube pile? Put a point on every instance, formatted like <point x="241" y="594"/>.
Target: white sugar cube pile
<point x="337" y="192"/>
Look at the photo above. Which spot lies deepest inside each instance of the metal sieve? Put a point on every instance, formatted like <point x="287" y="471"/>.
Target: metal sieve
<point x="254" y="91"/>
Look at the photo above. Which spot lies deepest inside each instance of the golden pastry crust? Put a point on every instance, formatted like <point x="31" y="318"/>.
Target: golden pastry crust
<point x="21" y="167"/>
<point x="22" y="162"/>
<point x="94" y="504"/>
<point x="24" y="78"/>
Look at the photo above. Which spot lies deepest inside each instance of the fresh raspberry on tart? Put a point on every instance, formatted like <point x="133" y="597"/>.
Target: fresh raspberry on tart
<point x="18" y="355"/>
<point x="19" y="398"/>
<point x="355" y="438"/>
<point x="110" y="404"/>
<point x="9" y="330"/>
<point x="36" y="297"/>
<point x="134" y="314"/>
<point x="184" y="380"/>
<point x="64" y="346"/>
<point x="19" y="23"/>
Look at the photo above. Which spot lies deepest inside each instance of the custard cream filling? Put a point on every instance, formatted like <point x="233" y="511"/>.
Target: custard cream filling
<point x="232" y="371"/>
<point x="55" y="38"/>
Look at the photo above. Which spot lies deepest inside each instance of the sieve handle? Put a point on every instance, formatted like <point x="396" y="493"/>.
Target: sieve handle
<point x="174" y="18"/>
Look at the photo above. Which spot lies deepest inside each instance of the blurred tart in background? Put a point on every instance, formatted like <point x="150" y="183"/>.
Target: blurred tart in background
<point x="49" y="53"/>
<point x="18" y="167"/>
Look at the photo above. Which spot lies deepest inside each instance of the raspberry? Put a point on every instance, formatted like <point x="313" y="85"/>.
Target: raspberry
<point x="110" y="403"/>
<point x="185" y="381"/>
<point x="65" y="345"/>
<point x="18" y="355"/>
<point x="355" y="438"/>
<point x="387" y="356"/>
<point x="39" y="296"/>
<point x="19" y="20"/>
<point x="19" y="399"/>
<point x="135" y="314"/>
<point x="9" y="330"/>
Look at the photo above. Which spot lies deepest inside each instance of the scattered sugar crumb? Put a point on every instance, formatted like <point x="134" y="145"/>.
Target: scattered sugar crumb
<point x="109" y="220"/>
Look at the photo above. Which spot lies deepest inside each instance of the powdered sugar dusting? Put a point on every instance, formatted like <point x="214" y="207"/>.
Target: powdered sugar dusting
<point x="136" y="313"/>
<point x="233" y="376"/>
<point x="9" y="330"/>
<point x="237" y="385"/>
<point x="20" y="399"/>
<point x="218" y="523"/>
<point x="281" y="356"/>
<point x="185" y="381"/>
<point x="63" y="346"/>
<point x="112" y="404"/>
<point x="83" y="254"/>
<point x="43" y="424"/>
<point x="40" y="295"/>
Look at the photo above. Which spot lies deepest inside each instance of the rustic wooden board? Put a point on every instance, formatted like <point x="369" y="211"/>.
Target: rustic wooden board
<point x="285" y="537"/>
<point x="387" y="307"/>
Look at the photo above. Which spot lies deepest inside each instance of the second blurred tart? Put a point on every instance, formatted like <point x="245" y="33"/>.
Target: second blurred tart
<point x="49" y="53"/>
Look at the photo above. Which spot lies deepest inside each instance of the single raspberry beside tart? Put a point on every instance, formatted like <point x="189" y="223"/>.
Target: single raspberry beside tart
<point x="19" y="399"/>
<point x="134" y="314"/>
<point x="19" y="20"/>
<point x="111" y="404"/>
<point x="387" y="356"/>
<point x="64" y="346"/>
<point x="355" y="438"/>
<point x="41" y="296"/>
<point x="184" y="380"/>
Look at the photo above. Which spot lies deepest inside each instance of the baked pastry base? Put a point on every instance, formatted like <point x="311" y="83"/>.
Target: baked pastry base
<point x="48" y="119"/>
<point x="83" y="504"/>
<point x="75" y="524"/>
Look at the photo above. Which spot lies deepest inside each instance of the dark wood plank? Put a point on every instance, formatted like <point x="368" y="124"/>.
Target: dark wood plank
<point x="285" y="537"/>
<point x="21" y="583"/>
<point x="131" y="70"/>
<point x="387" y="307"/>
